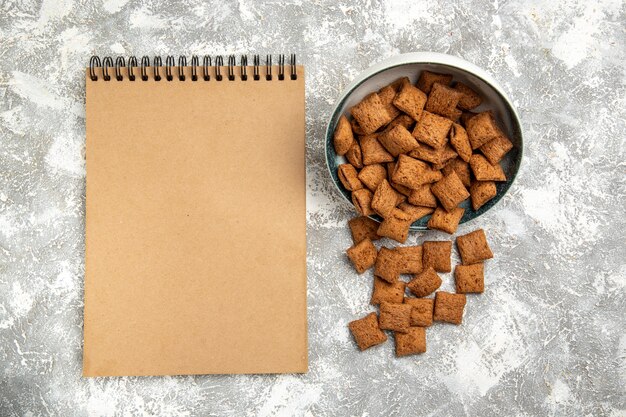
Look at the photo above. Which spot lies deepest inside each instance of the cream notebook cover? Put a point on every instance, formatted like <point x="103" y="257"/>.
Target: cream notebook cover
<point x="195" y="220"/>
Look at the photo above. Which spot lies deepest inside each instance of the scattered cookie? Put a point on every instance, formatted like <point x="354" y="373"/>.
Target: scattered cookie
<point x="387" y="265"/>
<point x="396" y="317"/>
<point x="366" y="332"/>
<point x="412" y="342"/>
<point x="349" y="178"/>
<point x="409" y="259"/>
<point x="422" y="311"/>
<point x="446" y="221"/>
<point x="449" y="307"/>
<point x="362" y="255"/>
<point x="424" y="283"/>
<point x="396" y="226"/>
<point x="469" y="278"/>
<point x="450" y="191"/>
<point x="473" y="247"/>
<point x="481" y="192"/>
<point x="437" y="254"/>
<point x="387" y="292"/>
<point x="363" y="227"/>
<point x="343" y="138"/>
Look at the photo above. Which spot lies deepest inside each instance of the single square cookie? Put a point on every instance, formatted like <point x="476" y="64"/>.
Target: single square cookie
<point x="460" y="142"/>
<point x="343" y="139"/>
<point x="473" y="247"/>
<point x="363" y="228"/>
<point x="354" y="155"/>
<point x="481" y="129"/>
<point x="443" y="100"/>
<point x="437" y="255"/>
<point x="461" y="168"/>
<point x="495" y="149"/>
<point x="446" y="221"/>
<point x="411" y="101"/>
<point x="397" y="140"/>
<point x="469" y="278"/>
<point x="371" y="114"/>
<point x="413" y="173"/>
<point x="484" y="171"/>
<point x="422" y="311"/>
<point x="415" y="212"/>
<point x="432" y="129"/>
<point x="424" y="283"/>
<point x="450" y="191"/>
<point x="481" y="192"/>
<point x="409" y="259"/>
<point x="356" y="129"/>
<point x="385" y="199"/>
<point x="427" y="79"/>
<point x="362" y="200"/>
<point x="362" y="255"/>
<point x="386" y="96"/>
<point x="366" y="332"/>
<point x="396" y="226"/>
<point x="349" y="178"/>
<point x="469" y="99"/>
<point x="387" y="265"/>
<point x="372" y="175"/>
<point x="387" y="292"/>
<point x="403" y="120"/>
<point x="423" y="196"/>
<point x="396" y="317"/>
<point x="449" y="307"/>
<point x="412" y="342"/>
<point x="372" y="151"/>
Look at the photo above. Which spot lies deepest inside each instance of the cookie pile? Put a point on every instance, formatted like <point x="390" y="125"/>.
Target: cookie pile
<point x="408" y="317"/>
<point x="420" y="150"/>
<point x="413" y="151"/>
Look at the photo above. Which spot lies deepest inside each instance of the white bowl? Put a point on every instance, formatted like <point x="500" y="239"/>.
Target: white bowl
<point x="410" y="65"/>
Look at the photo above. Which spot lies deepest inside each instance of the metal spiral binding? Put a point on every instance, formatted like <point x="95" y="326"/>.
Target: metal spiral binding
<point x="107" y="63"/>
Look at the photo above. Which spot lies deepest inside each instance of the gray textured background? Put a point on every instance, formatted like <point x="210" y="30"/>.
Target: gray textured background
<point x="547" y="337"/>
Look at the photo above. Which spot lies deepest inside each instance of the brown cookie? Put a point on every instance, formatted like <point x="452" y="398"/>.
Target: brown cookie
<point x="412" y="342"/>
<point x="354" y="155"/>
<point x="424" y="283"/>
<point x="343" y="139"/>
<point x="470" y="278"/>
<point x="385" y="199"/>
<point x="413" y="173"/>
<point x="372" y="151"/>
<point x="473" y="247"/>
<point x="362" y="255"/>
<point x="481" y="129"/>
<point x="415" y="212"/>
<point x="362" y="200"/>
<point x="481" y="192"/>
<point x="495" y="149"/>
<point x="387" y="292"/>
<point x="372" y="175"/>
<point x="437" y="255"/>
<point x="423" y="196"/>
<point x="396" y="226"/>
<point x="363" y="227"/>
<point x="366" y="332"/>
<point x="432" y="129"/>
<point x="397" y="140"/>
<point x="461" y="168"/>
<point x="443" y="100"/>
<point x="449" y="307"/>
<point x="422" y="311"/>
<point x="428" y="78"/>
<point x="409" y="259"/>
<point x="371" y="114"/>
<point x="396" y="317"/>
<point x="460" y="142"/>
<point x="411" y="101"/>
<point x="450" y="191"/>
<point x="446" y="221"/>
<point x="349" y="178"/>
<point x="387" y="265"/>
<point x="484" y="171"/>
<point x="469" y="99"/>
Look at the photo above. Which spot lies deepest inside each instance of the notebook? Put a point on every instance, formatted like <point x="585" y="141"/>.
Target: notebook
<point x="195" y="259"/>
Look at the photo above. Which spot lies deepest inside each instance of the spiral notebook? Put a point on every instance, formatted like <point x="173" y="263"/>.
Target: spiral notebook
<point x="195" y="217"/>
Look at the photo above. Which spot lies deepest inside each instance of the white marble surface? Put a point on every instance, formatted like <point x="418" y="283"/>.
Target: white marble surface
<point x="547" y="337"/>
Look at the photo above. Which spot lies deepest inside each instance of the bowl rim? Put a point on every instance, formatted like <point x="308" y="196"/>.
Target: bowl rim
<point x="425" y="58"/>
